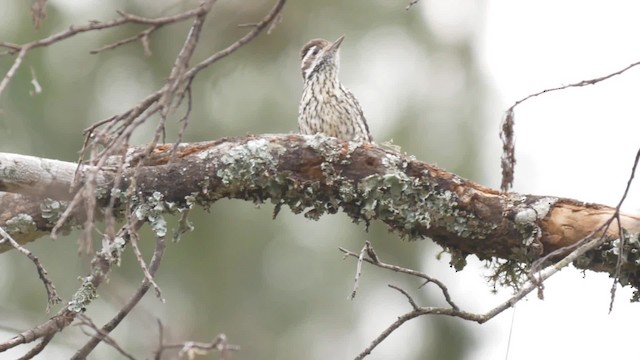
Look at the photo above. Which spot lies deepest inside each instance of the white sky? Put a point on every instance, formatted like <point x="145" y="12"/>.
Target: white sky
<point x="577" y="143"/>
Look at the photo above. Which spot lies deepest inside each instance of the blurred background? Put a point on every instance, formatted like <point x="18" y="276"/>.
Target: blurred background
<point x="435" y="80"/>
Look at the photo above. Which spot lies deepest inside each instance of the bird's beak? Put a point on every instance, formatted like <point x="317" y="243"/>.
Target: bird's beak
<point x="336" y="44"/>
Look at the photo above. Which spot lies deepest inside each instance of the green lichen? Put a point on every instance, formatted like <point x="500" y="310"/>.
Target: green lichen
<point x="507" y="274"/>
<point x="241" y="164"/>
<point x="102" y="193"/>
<point x="152" y="211"/>
<point x="609" y="254"/>
<point x="526" y="221"/>
<point x="332" y="152"/>
<point x="415" y="206"/>
<point x="458" y="260"/>
<point x="51" y="209"/>
<point x="20" y="224"/>
<point x="119" y="194"/>
<point x="513" y="272"/>
<point x="113" y="251"/>
<point x="191" y="200"/>
<point x="84" y="296"/>
<point x="408" y="204"/>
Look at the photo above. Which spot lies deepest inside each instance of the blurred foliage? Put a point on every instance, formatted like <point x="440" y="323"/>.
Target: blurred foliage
<point x="277" y="288"/>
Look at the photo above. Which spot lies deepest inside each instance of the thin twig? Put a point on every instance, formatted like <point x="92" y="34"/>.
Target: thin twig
<point x="356" y="281"/>
<point x="86" y="321"/>
<point x="143" y="36"/>
<point x="145" y="270"/>
<point x="101" y="265"/>
<point x="259" y="27"/>
<point x="191" y="348"/>
<point x="616" y="275"/>
<point x="578" y="84"/>
<point x="411" y="3"/>
<point x="157" y="355"/>
<point x="76" y="29"/>
<point x="395" y="268"/>
<point x="39" y="347"/>
<point x="184" y="120"/>
<point x="406" y="294"/>
<point x="506" y="131"/>
<point x="620" y="230"/>
<point x="181" y="63"/>
<point x="52" y="294"/>
<point x="14" y="68"/>
<point x="479" y="318"/>
<point x="154" y="265"/>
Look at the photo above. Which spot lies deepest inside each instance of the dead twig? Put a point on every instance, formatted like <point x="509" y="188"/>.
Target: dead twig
<point x="154" y="265"/>
<point x="76" y="29"/>
<point x="508" y="160"/>
<point x="52" y="294"/>
<point x="411" y="3"/>
<point x="86" y="321"/>
<point x="38" y="12"/>
<point x="39" y="347"/>
<point x="143" y="36"/>
<point x="358" y="271"/>
<point x="189" y="349"/>
<point x="101" y="265"/>
<point x="374" y="260"/>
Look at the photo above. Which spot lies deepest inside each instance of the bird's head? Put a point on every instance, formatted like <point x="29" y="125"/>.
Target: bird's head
<point x="320" y="55"/>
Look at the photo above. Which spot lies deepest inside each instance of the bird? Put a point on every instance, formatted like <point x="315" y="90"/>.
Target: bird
<point x="327" y="106"/>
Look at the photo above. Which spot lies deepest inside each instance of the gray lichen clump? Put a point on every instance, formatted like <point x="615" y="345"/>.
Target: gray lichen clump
<point x="526" y="219"/>
<point x="84" y="296"/>
<point x="20" y="224"/>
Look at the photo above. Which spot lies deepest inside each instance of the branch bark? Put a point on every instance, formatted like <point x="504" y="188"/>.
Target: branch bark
<point x="316" y="175"/>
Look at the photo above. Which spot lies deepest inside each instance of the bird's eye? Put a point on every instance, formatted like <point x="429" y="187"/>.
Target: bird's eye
<point x="316" y="51"/>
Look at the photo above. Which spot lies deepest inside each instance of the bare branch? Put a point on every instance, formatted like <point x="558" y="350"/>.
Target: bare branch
<point x="578" y="84"/>
<point x="52" y="294"/>
<point x="143" y="36"/>
<point x="145" y="270"/>
<point x="358" y="272"/>
<point x="411" y="3"/>
<point x="257" y="29"/>
<point x="100" y="267"/>
<point x="76" y="29"/>
<point x="142" y="290"/>
<point x="508" y="160"/>
<point x="86" y="321"/>
<point x="39" y="347"/>
<point x="374" y="260"/>
<point x="176" y="77"/>
<point x="189" y="349"/>
<point x="14" y="68"/>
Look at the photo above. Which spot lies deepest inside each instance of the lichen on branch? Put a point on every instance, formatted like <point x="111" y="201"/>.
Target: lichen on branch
<point x="317" y="175"/>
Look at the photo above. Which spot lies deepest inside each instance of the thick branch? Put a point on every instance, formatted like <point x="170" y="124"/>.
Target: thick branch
<point x="318" y="175"/>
